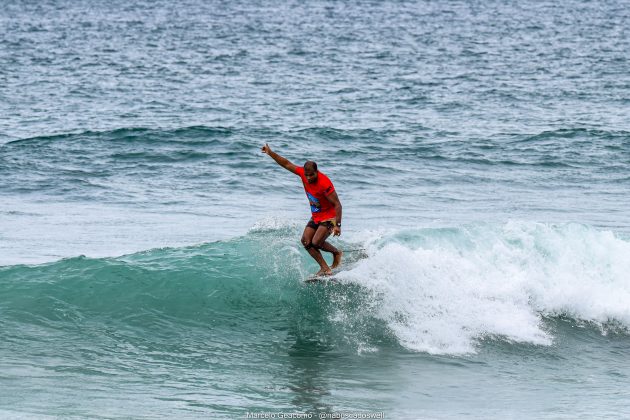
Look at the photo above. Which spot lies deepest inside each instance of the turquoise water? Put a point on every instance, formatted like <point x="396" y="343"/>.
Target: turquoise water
<point x="150" y="263"/>
<point x="431" y="323"/>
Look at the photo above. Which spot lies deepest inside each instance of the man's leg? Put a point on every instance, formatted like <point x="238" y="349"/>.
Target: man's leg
<point x="307" y="241"/>
<point x="319" y="240"/>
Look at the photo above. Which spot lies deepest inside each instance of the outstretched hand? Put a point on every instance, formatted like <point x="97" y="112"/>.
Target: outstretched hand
<point x="266" y="149"/>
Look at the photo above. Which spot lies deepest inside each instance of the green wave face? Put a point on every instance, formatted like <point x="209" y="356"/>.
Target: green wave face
<point x="187" y="284"/>
<point x="218" y="292"/>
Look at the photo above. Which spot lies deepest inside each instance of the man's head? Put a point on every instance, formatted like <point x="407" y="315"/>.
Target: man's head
<point x="310" y="171"/>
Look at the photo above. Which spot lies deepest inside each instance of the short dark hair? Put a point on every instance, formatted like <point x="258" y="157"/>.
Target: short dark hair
<point x="310" y="164"/>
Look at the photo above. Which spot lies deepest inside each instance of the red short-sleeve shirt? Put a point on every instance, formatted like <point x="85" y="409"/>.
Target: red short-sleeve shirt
<point x="317" y="194"/>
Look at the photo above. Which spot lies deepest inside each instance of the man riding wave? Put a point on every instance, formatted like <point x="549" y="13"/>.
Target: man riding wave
<point x="325" y="211"/>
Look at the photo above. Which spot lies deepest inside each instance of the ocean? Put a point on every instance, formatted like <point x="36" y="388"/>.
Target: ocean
<point x="150" y="255"/>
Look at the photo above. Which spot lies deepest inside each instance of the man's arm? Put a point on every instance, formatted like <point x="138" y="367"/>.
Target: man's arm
<point x="279" y="159"/>
<point x="334" y="200"/>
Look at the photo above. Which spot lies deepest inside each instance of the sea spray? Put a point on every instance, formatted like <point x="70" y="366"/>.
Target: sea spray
<point x="442" y="290"/>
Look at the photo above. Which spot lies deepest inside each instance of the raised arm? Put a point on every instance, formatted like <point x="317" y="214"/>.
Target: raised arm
<point x="279" y="159"/>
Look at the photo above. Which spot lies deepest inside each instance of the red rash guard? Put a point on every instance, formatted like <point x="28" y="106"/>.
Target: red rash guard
<point x="317" y="193"/>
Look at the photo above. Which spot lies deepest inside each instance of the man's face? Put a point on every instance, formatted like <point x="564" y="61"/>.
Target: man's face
<point x="310" y="175"/>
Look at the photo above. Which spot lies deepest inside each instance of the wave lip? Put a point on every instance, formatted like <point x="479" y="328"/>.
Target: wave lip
<point x="443" y="291"/>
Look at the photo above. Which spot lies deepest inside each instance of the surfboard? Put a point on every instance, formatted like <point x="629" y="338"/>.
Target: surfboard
<point x="321" y="279"/>
<point x="314" y="278"/>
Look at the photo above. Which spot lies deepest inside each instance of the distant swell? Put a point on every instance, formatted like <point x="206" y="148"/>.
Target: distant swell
<point x="141" y="134"/>
<point x="89" y="163"/>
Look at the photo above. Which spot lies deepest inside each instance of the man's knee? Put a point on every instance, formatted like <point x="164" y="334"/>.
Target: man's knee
<point x="306" y="243"/>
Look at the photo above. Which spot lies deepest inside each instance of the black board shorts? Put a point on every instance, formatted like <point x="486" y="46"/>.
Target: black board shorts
<point x="328" y="223"/>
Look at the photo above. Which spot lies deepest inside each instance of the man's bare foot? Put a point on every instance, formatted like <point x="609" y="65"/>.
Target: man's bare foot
<point x="324" y="272"/>
<point x="337" y="260"/>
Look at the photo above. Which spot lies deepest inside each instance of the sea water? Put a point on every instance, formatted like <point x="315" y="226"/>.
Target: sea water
<point x="150" y="263"/>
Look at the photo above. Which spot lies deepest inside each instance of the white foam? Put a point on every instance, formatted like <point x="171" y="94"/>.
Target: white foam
<point x="442" y="292"/>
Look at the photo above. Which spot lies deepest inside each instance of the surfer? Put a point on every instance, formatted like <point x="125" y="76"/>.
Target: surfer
<point x="325" y="210"/>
